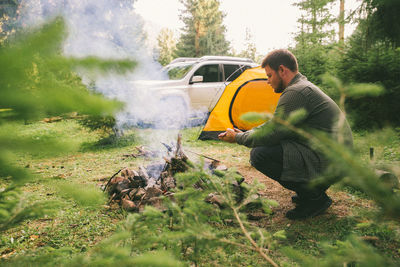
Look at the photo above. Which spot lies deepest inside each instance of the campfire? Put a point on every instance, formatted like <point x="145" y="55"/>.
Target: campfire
<point x="134" y="189"/>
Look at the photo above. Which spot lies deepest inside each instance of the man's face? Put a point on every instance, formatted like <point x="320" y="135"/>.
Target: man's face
<point x="274" y="79"/>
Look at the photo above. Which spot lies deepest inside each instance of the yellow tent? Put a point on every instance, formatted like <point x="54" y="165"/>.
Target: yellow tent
<point x="250" y="92"/>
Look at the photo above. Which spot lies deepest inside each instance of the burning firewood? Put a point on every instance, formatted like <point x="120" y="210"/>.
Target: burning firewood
<point x="133" y="190"/>
<point x="179" y="154"/>
<point x="153" y="191"/>
<point x="137" y="194"/>
<point x="115" y="174"/>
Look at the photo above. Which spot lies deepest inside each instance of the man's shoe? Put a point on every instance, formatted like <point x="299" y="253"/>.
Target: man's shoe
<point x="310" y="208"/>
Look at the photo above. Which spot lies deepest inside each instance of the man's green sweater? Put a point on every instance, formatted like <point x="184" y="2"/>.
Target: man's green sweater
<point x="300" y="162"/>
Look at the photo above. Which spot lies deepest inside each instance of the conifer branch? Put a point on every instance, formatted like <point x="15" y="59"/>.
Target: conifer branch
<point x="230" y="242"/>
<point x="256" y="247"/>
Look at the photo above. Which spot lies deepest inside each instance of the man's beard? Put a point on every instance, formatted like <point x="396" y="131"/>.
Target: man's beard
<point x="280" y="87"/>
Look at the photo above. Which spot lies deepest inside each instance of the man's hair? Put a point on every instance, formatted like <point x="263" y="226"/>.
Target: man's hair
<point x="280" y="57"/>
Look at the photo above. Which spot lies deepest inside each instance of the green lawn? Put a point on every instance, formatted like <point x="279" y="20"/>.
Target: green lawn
<point x="77" y="227"/>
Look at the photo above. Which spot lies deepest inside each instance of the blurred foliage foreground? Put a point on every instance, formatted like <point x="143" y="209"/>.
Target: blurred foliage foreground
<point x="36" y="82"/>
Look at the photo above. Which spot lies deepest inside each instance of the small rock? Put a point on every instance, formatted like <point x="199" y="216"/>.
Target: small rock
<point x="128" y="205"/>
<point x="221" y="167"/>
<point x="153" y="192"/>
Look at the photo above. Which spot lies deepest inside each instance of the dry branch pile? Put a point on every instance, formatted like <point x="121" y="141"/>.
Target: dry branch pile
<point x="134" y="189"/>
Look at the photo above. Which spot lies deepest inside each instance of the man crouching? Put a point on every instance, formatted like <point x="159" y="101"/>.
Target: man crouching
<point x="287" y="158"/>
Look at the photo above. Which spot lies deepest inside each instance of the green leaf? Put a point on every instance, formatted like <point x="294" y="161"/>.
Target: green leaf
<point x="363" y="225"/>
<point x="332" y="81"/>
<point x="256" y="117"/>
<point x="158" y="258"/>
<point x="280" y="235"/>
<point x="85" y="195"/>
<point x="364" y="89"/>
<point x="297" y="116"/>
<point x="267" y="204"/>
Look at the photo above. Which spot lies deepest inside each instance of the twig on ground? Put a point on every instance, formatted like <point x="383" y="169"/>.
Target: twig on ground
<point x="201" y="155"/>
<point x="109" y="180"/>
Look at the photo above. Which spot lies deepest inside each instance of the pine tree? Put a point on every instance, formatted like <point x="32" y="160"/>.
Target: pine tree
<point x="204" y="32"/>
<point x="316" y="20"/>
<point x="315" y="38"/>
<point x="372" y="54"/>
<point x="250" y="47"/>
<point x="166" y="46"/>
<point x="382" y="20"/>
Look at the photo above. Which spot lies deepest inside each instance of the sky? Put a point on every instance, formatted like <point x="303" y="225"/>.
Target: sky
<point x="271" y="22"/>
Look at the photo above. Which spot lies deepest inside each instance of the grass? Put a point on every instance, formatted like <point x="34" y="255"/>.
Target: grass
<point x="77" y="227"/>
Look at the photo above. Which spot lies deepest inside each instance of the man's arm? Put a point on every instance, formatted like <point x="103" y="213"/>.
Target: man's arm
<point x="271" y="134"/>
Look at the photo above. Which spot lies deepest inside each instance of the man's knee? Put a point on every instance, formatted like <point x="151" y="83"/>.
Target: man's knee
<point x="254" y="158"/>
<point x="263" y="154"/>
<point x="267" y="160"/>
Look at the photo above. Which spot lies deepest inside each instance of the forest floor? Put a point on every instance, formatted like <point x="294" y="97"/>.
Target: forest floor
<point x="77" y="228"/>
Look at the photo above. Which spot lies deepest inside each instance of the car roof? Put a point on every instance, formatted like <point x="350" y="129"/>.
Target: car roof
<point x="212" y="58"/>
<point x="225" y="58"/>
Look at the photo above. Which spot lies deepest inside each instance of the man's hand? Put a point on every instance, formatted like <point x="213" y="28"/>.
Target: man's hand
<point x="229" y="135"/>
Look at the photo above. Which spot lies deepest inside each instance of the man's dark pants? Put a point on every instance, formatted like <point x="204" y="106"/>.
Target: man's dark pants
<point x="269" y="161"/>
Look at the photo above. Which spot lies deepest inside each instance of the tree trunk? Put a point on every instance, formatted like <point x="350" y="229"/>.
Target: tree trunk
<point x="341" y="22"/>
<point x="197" y="40"/>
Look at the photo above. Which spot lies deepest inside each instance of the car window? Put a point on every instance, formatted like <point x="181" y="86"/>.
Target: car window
<point x="245" y="67"/>
<point x="178" y="71"/>
<point x="210" y="73"/>
<point x="231" y="72"/>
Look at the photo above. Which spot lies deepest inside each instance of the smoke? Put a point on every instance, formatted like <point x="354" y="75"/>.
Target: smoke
<point x="109" y="29"/>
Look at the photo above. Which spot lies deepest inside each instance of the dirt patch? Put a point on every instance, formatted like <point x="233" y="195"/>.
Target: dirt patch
<point x="343" y="203"/>
<point x="237" y="157"/>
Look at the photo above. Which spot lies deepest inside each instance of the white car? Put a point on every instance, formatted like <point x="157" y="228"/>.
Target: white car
<point x="199" y="82"/>
<point x="195" y="84"/>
